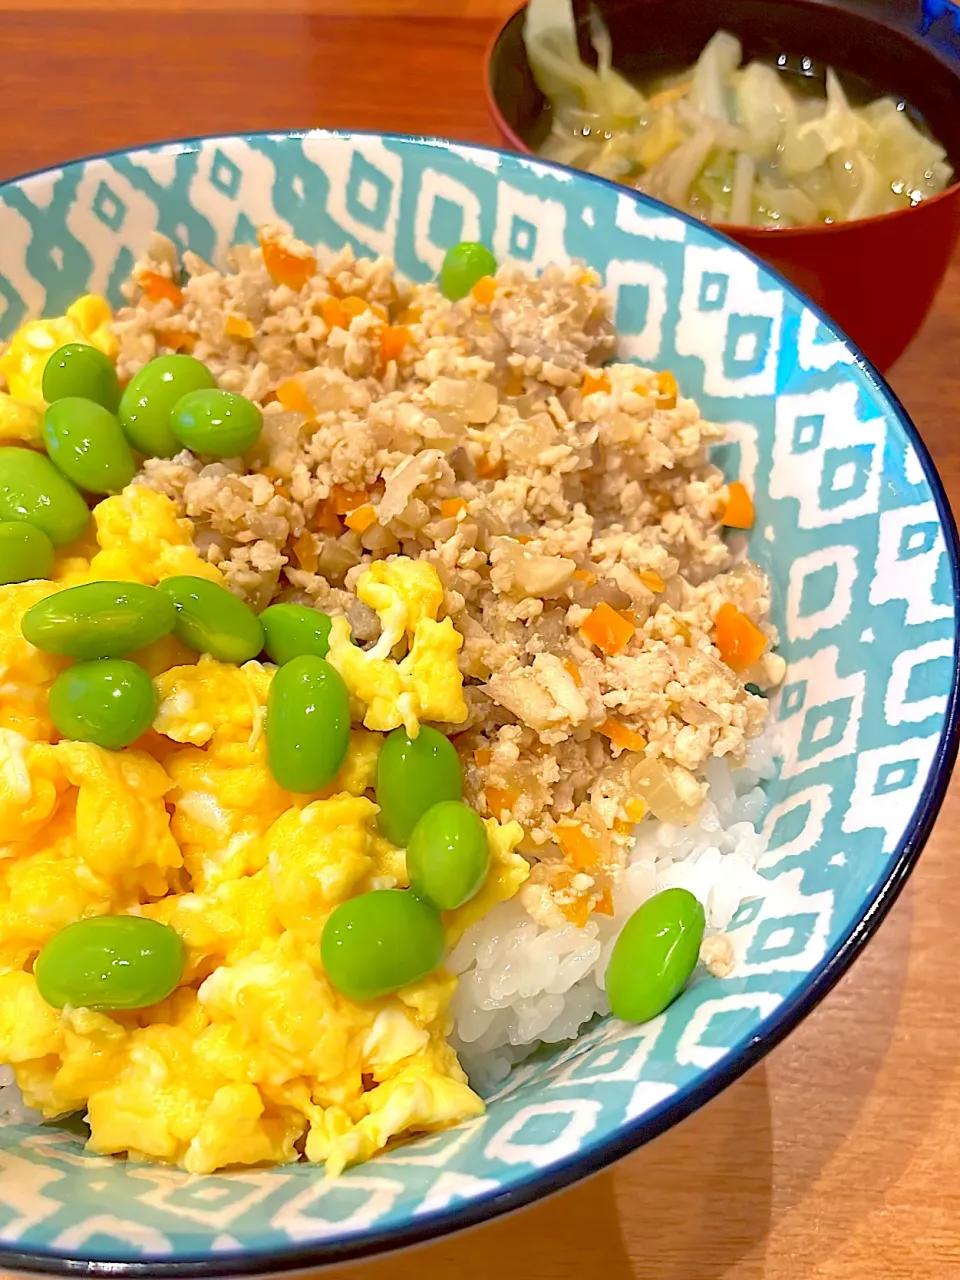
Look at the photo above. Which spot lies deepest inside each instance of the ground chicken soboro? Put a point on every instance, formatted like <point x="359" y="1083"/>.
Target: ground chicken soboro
<point x="570" y="509"/>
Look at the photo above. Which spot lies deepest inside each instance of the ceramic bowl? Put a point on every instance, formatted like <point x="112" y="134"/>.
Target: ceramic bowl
<point x="852" y="525"/>
<point x="876" y="277"/>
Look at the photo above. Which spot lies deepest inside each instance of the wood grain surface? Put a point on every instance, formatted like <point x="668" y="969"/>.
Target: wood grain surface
<point x="836" y="1158"/>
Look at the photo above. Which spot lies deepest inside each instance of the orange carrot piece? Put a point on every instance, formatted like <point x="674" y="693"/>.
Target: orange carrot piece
<point x="651" y="579"/>
<point x="579" y="849"/>
<point x="483" y="756"/>
<point x="501" y="800"/>
<point x="622" y="736"/>
<point x="577" y="912"/>
<point x="573" y="671"/>
<point x="666" y="390"/>
<point x="635" y="808"/>
<point x="593" y="382"/>
<point x="450" y="508"/>
<point x="515" y="382"/>
<point x="157" y="287"/>
<point x="380" y="311"/>
<point x="393" y="339"/>
<point x="604" y="904"/>
<point x="739" y="640"/>
<point x="409" y="315"/>
<point x="325" y="517"/>
<point x="585" y="576"/>
<point x="285" y="267"/>
<point x="294" y="399"/>
<point x="739" y="512"/>
<point x="345" y="499"/>
<point x="354" y="306"/>
<point x="176" y="339"/>
<point x="238" y="327"/>
<point x="334" y="316"/>
<point x="607" y="629"/>
<point x="361" y="518"/>
<point x="487" y="470"/>
<point x="483" y="291"/>
<point x="305" y="549"/>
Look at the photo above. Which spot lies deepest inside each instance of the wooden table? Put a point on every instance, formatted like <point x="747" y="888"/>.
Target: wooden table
<point x="839" y="1155"/>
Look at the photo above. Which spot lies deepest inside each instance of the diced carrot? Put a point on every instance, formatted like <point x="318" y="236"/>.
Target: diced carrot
<point x="607" y="629"/>
<point x="483" y="756"/>
<point x="487" y="470"/>
<point x="345" y="499"/>
<point x="305" y="549"/>
<point x="176" y="339"/>
<point x="640" y="389"/>
<point x="361" y="518"/>
<point x="393" y="339"/>
<point x="739" y="512"/>
<point x="652" y="580"/>
<point x="579" y="849"/>
<point x="500" y="800"/>
<point x="573" y="671"/>
<point x="585" y="576"/>
<point x="523" y="539"/>
<point x="483" y="291"/>
<point x="515" y="382"/>
<point x="354" y="306"/>
<point x="294" y="399"/>
<point x="238" y="327"/>
<point x="285" y="267"/>
<point x="380" y="311"/>
<point x="325" y="517"/>
<point x="604" y="904"/>
<point x="593" y="382"/>
<point x="666" y="390"/>
<point x="157" y="288"/>
<point x="450" y="508"/>
<point x="622" y="827"/>
<point x="334" y="316"/>
<point x="622" y="736"/>
<point x="739" y="640"/>
<point x="334" y="287"/>
<point x="409" y="315"/>
<point x="577" y="912"/>
<point x="635" y="808"/>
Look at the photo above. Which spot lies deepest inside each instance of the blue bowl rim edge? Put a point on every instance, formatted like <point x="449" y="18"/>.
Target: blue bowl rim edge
<point x="740" y="1057"/>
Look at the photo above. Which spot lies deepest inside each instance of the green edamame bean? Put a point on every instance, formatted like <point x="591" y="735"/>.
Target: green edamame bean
<point x="654" y="955"/>
<point x="99" y="620"/>
<point x="110" y="962"/>
<point x="109" y="702"/>
<point x="379" y="942"/>
<point x="150" y="396"/>
<point x="85" y="442"/>
<point x="211" y="619"/>
<point x="78" y="369"/>
<point x="414" y="774"/>
<point x="26" y="552"/>
<point x="216" y="424"/>
<point x="448" y="855"/>
<point x="308" y="724"/>
<point x="32" y="489"/>
<point x="463" y="265"/>
<point x="293" y="629"/>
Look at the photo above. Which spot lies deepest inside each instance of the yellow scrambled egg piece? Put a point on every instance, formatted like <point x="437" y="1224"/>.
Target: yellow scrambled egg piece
<point x="426" y="684"/>
<point x="255" y="1057"/>
<point x="25" y="357"/>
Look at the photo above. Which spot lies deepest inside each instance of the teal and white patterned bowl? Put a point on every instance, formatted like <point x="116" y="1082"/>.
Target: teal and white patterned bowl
<point x="852" y="525"/>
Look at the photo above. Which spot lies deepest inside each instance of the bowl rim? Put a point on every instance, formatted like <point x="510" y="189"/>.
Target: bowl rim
<point x="731" y="229"/>
<point x="740" y="1057"/>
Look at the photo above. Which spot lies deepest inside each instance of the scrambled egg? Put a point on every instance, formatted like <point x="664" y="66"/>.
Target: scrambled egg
<point x="23" y="362"/>
<point x="255" y="1057"/>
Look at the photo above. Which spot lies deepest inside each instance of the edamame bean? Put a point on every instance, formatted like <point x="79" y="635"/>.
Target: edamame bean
<point x="379" y="942"/>
<point x="99" y="620"/>
<point x="211" y="619"/>
<point x="216" y="424"/>
<point x="150" y="396"/>
<point x="85" y="442"/>
<point x="78" y="369"/>
<point x="293" y="629"/>
<point x="463" y="265"/>
<point x="25" y="552"/>
<point x="110" y="962"/>
<point x="110" y="702"/>
<point x="32" y="489"/>
<point x="308" y="723"/>
<point x="654" y="955"/>
<point x="414" y="774"/>
<point x="448" y="855"/>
